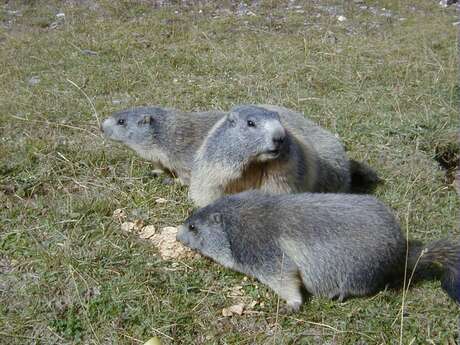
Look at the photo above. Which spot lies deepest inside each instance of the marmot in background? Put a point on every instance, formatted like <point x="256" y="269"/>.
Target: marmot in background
<point x="269" y="148"/>
<point x="167" y="137"/>
<point x="333" y="245"/>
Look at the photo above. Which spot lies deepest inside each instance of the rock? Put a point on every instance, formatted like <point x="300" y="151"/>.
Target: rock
<point x="89" y="52"/>
<point x="34" y="80"/>
<point x="234" y="309"/>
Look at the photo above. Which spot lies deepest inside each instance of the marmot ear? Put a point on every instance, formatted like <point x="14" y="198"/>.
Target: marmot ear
<point x="232" y="118"/>
<point x="216" y="218"/>
<point x="146" y="120"/>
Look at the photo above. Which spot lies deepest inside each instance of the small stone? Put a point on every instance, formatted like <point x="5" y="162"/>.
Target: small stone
<point x="226" y="312"/>
<point x="138" y="224"/>
<point x="89" y="52"/>
<point x="234" y="309"/>
<point x="34" y="80"/>
<point x="55" y="24"/>
<point x="121" y="98"/>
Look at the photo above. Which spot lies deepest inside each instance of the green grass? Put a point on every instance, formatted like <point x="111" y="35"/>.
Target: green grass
<point x="68" y="275"/>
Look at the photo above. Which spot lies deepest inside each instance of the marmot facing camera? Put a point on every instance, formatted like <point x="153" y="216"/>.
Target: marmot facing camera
<point x="268" y="148"/>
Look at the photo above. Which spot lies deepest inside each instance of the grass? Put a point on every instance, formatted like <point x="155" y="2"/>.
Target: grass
<point x="387" y="85"/>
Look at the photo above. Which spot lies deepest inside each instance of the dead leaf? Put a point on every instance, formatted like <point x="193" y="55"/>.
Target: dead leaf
<point x="236" y="291"/>
<point x="127" y="226"/>
<point x="147" y="232"/>
<point x="138" y="224"/>
<point x="119" y="214"/>
<point x="153" y="341"/>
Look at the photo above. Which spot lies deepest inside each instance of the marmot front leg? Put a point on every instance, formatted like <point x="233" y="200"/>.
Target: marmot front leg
<point x="288" y="286"/>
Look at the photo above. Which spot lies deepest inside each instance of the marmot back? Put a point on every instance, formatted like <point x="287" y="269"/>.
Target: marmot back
<point x="333" y="245"/>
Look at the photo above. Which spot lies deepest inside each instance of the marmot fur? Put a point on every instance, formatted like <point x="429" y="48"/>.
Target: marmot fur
<point x="332" y="245"/>
<point x="167" y="137"/>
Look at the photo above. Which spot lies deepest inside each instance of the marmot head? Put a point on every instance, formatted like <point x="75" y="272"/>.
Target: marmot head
<point x="134" y="126"/>
<point x="259" y="130"/>
<point x="142" y="129"/>
<point x="204" y="232"/>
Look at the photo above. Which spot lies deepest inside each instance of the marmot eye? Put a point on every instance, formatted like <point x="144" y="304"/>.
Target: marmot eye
<point x="121" y="122"/>
<point x="191" y="227"/>
<point x="251" y="123"/>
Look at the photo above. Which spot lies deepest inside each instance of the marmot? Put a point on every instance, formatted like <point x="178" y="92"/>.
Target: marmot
<point x="332" y="245"/>
<point x="269" y="148"/>
<point x="167" y="137"/>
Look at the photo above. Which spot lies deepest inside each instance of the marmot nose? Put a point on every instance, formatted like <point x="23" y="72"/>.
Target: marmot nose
<point x="278" y="142"/>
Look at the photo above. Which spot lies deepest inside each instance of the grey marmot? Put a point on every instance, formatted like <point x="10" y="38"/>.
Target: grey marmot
<point x="331" y="245"/>
<point x="167" y="137"/>
<point x="269" y="148"/>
